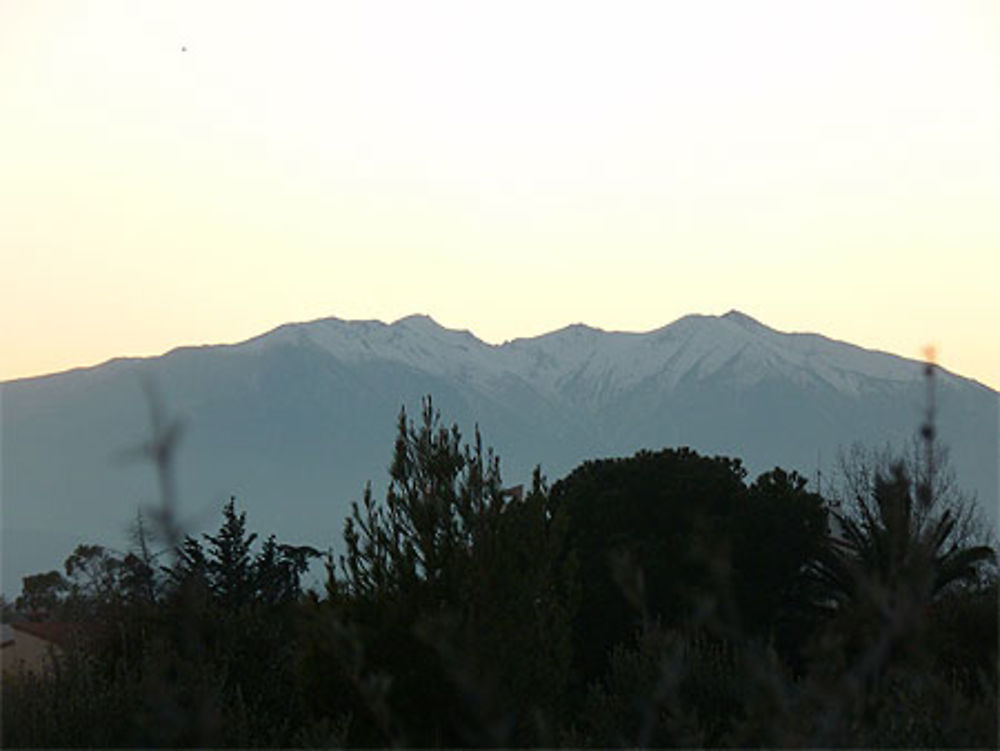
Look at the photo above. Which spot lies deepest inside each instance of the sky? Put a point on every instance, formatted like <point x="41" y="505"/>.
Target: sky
<point x="180" y="172"/>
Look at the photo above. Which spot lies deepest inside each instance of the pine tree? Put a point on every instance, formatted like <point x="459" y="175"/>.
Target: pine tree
<point x="460" y="593"/>
<point x="229" y="563"/>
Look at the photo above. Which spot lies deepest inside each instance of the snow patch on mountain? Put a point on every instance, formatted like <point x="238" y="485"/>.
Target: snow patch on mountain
<point x="594" y="365"/>
<point x="417" y="341"/>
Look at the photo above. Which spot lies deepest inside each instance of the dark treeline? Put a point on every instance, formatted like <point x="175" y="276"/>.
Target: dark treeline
<point x="658" y="600"/>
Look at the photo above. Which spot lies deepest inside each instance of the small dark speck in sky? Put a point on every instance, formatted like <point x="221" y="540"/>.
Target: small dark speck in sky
<point x="184" y="49"/>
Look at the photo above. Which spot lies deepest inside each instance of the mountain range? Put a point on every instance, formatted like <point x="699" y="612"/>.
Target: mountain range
<point x="295" y="422"/>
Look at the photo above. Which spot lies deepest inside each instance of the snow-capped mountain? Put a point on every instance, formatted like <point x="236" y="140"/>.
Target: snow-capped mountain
<point x="695" y="346"/>
<point x="294" y="422"/>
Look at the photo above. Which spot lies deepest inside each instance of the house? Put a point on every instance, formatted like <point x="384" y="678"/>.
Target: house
<point x="31" y="646"/>
<point x="515" y="493"/>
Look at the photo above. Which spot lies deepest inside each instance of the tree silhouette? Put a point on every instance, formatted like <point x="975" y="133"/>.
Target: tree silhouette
<point x="885" y="553"/>
<point x="460" y="594"/>
<point x="651" y="533"/>
<point x="229" y="560"/>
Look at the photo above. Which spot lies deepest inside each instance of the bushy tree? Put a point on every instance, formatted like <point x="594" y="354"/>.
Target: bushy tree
<point x="459" y="594"/>
<point x="778" y="529"/>
<point x="653" y="537"/>
<point x="900" y="561"/>
<point x="42" y="595"/>
<point x="891" y="555"/>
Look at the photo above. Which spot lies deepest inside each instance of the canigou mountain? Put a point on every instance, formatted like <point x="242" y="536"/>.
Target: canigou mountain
<point x="294" y="422"/>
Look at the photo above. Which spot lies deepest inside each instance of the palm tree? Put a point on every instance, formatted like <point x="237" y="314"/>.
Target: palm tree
<point x="887" y="550"/>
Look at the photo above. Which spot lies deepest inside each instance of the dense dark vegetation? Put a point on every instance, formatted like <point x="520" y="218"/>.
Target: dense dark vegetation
<point x="659" y="600"/>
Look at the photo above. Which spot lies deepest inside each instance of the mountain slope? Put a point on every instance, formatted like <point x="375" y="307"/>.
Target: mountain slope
<point x="295" y="421"/>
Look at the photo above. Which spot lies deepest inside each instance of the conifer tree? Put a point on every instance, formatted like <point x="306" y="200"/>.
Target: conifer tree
<point x="460" y="593"/>
<point x="229" y="562"/>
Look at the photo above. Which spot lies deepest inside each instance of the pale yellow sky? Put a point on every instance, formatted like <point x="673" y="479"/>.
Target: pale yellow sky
<point x="506" y="167"/>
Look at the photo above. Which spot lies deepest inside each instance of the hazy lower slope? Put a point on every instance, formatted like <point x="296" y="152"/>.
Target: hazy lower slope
<point x="294" y="422"/>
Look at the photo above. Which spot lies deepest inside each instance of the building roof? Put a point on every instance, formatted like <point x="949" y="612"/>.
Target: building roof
<point x="52" y="631"/>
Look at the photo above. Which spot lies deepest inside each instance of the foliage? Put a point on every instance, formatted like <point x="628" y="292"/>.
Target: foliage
<point x="458" y="591"/>
<point x="202" y="656"/>
<point x="899" y="562"/>
<point x="657" y="514"/>
<point x="671" y="689"/>
<point x="42" y="594"/>
<point x="887" y="563"/>
<point x="658" y="600"/>
<point x="777" y="531"/>
<point x="669" y="535"/>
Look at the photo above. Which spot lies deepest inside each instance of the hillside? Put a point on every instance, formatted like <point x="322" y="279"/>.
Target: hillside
<point x="294" y="422"/>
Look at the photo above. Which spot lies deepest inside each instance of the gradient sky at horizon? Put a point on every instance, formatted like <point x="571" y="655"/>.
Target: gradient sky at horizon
<point x="187" y="172"/>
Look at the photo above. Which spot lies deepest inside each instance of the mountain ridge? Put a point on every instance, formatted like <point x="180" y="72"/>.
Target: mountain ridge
<point x="295" y="421"/>
<point x="585" y="341"/>
<point x="426" y="321"/>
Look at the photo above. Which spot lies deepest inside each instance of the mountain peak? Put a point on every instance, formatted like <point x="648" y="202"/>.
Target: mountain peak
<point x="417" y="319"/>
<point x="741" y="318"/>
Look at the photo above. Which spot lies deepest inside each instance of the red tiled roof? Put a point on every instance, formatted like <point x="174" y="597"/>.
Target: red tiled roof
<point x="52" y="631"/>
